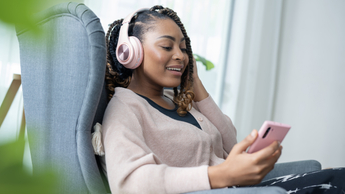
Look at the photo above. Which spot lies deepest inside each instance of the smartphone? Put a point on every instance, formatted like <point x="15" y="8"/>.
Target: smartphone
<point x="269" y="132"/>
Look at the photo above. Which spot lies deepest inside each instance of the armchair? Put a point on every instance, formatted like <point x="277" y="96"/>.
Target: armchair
<point x="62" y="78"/>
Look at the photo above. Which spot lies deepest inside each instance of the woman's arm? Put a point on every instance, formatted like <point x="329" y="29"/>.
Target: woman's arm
<point x="209" y="108"/>
<point x="198" y="88"/>
<point x="239" y="168"/>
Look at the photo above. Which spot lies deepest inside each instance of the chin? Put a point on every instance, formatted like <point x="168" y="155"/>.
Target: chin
<point x="173" y="85"/>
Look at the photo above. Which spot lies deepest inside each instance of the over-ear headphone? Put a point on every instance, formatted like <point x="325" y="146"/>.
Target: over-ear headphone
<point x="129" y="51"/>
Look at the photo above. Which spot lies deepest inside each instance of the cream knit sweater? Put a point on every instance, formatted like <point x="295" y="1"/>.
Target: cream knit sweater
<point x="149" y="152"/>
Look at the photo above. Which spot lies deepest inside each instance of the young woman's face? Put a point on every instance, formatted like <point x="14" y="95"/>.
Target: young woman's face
<point x="165" y="56"/>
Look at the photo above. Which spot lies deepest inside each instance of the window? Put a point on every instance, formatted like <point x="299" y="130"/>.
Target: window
<point x="9" y="65"/>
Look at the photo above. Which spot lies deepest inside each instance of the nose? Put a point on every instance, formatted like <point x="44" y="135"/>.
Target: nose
<point x="178" y="55"/>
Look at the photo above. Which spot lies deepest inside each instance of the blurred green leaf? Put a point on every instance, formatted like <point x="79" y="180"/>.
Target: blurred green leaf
<point x="17" y="11"/>
<point x="208" y="64"/>
<point x="20" y="12"/>
<point x="15" y="179"/>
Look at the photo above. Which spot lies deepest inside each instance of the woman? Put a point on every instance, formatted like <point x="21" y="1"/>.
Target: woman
<point x="169" y="141"/>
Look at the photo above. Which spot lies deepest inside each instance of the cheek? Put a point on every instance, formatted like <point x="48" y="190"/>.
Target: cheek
<point x="186" y="61"/>
<point x="154" y="56"/>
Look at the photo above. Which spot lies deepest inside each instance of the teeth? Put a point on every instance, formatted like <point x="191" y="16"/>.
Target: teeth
<point x="174" y="69"/>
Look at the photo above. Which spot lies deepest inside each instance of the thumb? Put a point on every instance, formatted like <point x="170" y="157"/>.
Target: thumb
<point x="248" y="141"/>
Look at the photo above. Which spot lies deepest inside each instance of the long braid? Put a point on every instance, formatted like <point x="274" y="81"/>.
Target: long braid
<point x="112" y="76"/>
<point x="118" y="75"/>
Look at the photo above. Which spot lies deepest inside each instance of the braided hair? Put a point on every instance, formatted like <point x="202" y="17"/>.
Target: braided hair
<point x="119" y="76"/>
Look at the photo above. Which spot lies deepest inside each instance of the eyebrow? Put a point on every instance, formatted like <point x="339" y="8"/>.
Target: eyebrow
<point x="170" y="37"/>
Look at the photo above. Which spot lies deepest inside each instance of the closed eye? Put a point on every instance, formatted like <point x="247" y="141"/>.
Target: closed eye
<point x="184" y="50"/>
<point x="167" y="48"/>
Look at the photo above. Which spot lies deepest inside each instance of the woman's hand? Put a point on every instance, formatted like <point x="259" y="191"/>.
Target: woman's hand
<point x="241" y="168"/>
<point x="198" y="88"/>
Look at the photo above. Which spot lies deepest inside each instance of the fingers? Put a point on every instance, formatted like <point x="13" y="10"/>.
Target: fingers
<point x="268" y="151"/>
<point x="195" y="69"/>
<point x="244" y="144"/>
<point x="267" y="164"/>
<point x="271" y="160"/>
<point x="276" y="155"/>
<point x="241" y="168"/>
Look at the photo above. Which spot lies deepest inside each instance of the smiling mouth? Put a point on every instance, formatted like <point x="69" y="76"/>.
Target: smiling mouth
<point x="174" y="69"/>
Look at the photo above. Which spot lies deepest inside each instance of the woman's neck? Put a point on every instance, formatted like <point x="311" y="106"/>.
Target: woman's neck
<point x="143" y="88"/>
<point x="146" y="91"/>
<point x="156" y="94"/>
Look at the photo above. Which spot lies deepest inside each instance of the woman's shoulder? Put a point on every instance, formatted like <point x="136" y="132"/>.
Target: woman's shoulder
<point x="125" y="98"/>
<point x="120" y="92"/>
<point x="125" y="103"/>
<point x="125" y="95"/>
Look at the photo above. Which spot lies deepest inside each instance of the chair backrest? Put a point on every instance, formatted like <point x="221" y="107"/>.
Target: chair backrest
<point x="63" y="88"/>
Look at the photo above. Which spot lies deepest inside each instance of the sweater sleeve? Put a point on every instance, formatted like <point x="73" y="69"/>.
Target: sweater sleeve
<point x="222" y="122"/>
<point x="133" y="168"/>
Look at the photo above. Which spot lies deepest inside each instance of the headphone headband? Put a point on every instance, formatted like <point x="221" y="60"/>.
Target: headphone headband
<point x="129" y="17"/>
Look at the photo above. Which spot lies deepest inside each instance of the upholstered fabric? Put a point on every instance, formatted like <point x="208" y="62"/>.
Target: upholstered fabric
<point x="63" y="75"/>
<point x="251" y="190"/>
<point x="297" y="167"/>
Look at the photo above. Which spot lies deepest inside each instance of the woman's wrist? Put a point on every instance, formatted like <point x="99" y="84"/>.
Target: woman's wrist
<point x="199" y="90"/>
<point x="216" y="178"/>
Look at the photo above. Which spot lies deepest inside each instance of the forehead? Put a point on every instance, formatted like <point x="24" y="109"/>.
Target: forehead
<point x="164" y="27"/>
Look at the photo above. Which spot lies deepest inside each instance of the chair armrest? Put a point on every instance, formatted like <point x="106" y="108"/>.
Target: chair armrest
<point x="280" y="169"/>
<point x="244" y="190"/>
<point x="298" y="167"/>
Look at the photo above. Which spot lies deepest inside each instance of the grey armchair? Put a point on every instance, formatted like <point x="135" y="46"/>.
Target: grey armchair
<point x="64" y="96"/>
<point x="62" y="76"/>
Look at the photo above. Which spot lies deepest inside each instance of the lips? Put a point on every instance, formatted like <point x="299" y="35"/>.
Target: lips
<point x="175" y="68"/>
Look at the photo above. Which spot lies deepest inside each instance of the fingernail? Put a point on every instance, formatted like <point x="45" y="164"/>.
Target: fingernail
<point x="253" y="134"/>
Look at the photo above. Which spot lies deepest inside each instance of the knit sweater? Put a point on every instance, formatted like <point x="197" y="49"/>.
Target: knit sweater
<point x="149" y="152"/>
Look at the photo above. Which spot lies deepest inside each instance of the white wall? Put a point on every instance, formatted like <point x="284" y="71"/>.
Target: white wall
<point x="287" y="64"/>
<point x="310" y="93"/>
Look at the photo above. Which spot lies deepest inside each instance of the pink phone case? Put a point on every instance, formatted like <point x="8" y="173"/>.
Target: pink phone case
<point x="269" y="132"/>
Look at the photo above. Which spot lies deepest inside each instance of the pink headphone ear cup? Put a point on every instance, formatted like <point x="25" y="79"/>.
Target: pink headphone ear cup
<point x="138" y="53"/>
<point x="129" y="51"/>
